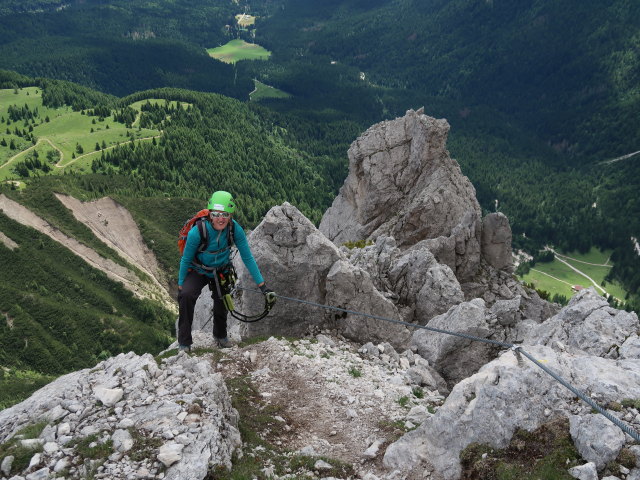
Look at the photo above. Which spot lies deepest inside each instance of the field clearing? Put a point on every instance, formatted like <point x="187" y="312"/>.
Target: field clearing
<point x="266" y="91"/>
<point x="245" y="20"/>
<point x="565" y="277"/>
<point x="237" y="50"/>
<point x="67" y="141"/>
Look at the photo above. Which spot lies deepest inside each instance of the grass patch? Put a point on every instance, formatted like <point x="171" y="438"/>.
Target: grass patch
<point x="262" y="91"/>
<point x="547" y="453"/>
<point x="22" y="455"/>
<point x="403" y="401"/>
<point x="557" y="277"/>
<point x="61" y="139"/>
<point x="169" y="353"/>
<point x="143" y="446"/>
<point x="354" y="372"/>
<point x="92" y="448"/>
<point x="237" y="50"/>
<point x="631" y="403"/>
<point x="418" y="392"/>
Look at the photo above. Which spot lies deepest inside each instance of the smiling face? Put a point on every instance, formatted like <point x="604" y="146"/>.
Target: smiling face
<point x="219" y="219"/>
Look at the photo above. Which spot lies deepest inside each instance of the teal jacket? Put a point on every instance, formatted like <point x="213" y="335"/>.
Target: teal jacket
<point x="218" y="242"/>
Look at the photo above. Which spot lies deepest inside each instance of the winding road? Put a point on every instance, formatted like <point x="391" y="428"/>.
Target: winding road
<point x="595" y="284"/>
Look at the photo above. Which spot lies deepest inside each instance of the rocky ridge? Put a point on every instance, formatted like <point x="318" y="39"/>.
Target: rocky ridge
<point x="138" y="417"/>
<point x="432" y="262"/>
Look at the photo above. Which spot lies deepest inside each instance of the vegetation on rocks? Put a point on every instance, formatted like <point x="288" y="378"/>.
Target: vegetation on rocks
<point x="547" y="452"/>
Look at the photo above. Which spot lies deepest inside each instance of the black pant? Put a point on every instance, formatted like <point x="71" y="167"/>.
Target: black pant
<point x="191" y="288"/>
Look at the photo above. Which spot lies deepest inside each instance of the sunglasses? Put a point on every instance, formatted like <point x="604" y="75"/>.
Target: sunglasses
<point x="220" y="214"/>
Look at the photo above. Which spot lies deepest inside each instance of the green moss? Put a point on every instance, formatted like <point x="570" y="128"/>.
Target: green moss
<point x="357" y="244"/>
<point x="546" y="453"/>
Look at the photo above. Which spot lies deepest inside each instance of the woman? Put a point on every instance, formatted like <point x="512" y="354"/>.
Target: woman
<point x="199" y="264"/>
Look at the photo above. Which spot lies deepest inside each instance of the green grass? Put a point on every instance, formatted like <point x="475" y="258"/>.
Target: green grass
<point x="100" y="451"/>
<point x="266" y="91"/>
<point x="22" y="455"/>
<point x="65" y="133"/>
<point x="237" y="50"/>
<point x="565" y="277"/>
<point x="546" y="453"/>
<point x="16" y="385"/>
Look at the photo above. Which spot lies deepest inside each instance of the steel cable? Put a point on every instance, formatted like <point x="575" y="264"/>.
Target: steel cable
<point x="515" y="348"/>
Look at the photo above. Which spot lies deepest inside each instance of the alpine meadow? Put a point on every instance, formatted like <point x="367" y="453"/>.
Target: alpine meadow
<point x="157" y="104"/>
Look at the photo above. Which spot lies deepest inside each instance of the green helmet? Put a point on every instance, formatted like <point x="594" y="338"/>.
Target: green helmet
<point x="222" y="201"/>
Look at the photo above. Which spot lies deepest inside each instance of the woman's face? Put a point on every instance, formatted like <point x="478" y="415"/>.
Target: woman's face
<point x="220" y="220"/>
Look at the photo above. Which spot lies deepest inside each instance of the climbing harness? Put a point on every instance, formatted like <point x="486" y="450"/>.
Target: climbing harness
<point x="516" y="349"/>
<point x="224" y="282"/>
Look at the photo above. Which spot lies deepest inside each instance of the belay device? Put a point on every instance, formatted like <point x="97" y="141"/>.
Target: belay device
<point x="225" y="284"/>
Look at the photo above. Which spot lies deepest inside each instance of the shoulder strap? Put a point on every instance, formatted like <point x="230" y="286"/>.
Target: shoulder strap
<point x="231" y="234"/>
<point x="204" y="240"/>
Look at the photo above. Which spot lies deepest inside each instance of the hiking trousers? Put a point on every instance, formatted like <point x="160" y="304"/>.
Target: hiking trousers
<point x="187" y="297"/>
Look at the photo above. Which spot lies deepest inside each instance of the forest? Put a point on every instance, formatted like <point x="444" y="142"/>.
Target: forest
<point x="538" y="95"/>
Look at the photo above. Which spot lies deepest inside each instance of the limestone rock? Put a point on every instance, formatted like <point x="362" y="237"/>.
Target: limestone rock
<point x="294" y="258"/>
<point x="631" y="347"/>
<point x="589" y="324"/>
<point x="456" y="358"/>
<point x="351" y="288"/>
<point x="506" y="312"/>
<point x="152" y="401"/>
<point x="108" y="396"/>
<point x="503" y="396"/>
<point x="377" y="260"/>
<point x="496" y="241"/>
<point x="403" y="183"/>
<point x="584" y="472"/>
<point x="5" y="467"/>
<point x="170" y="453"/>
<point x="596" y="438"/>
<point x="423" y="284"/>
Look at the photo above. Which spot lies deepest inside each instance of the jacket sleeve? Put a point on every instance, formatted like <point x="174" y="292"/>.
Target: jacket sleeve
<point x="245" y="253"/>
<point x="190" y="248"/>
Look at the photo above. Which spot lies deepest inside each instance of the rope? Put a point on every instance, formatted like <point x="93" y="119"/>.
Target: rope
<point x="517" y="350"/>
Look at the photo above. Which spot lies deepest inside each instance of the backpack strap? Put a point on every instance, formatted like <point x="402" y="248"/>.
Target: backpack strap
<point x="231" y="233"/>
<point x="204" y="236"/>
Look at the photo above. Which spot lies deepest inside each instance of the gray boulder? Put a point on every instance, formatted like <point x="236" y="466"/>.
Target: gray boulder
<point x="424" y="285"/>
<point x="294" y="258"/>
<point x="377" y="260"/>
<point x="403" y="183"/>
<point x="589" y="324"/>
<point x="496" y="241"/>
<point x="455" y="358"/>
<point x="587" y="471"/>
<point x="503" y="396"/>
<point x="351" y="288"/>
<point x="631" y="347"/>
<point x="506" y="312"/>
<point x="596" y="438"/>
